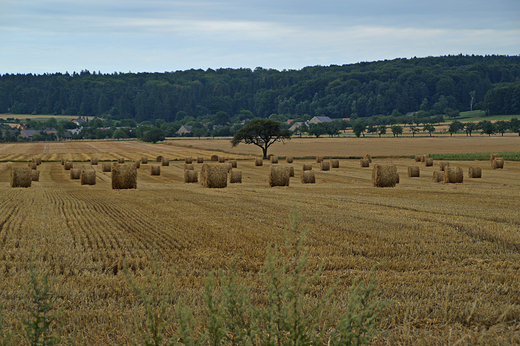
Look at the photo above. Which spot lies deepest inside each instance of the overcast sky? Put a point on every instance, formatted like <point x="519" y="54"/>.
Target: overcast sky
<point x="38" y="36"/>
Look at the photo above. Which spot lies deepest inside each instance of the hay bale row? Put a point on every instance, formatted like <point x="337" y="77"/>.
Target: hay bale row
<point x="291" y="171"/>
<point x="414" y="171"/>
<point x="75" y="173"/>
<point x="438" y="176"/>
<point x="158" y="158"/>
<point x="443" y="165"/>
<point x="124" y="177"/>
<point x="68" y="166"/>
<point x="259" y="161"/>
<point x="319" y="159"/>
<point x="368" y="157"/>
<point x="144" y="160"/>
<point x="289" y="159"/>
<point x="37" y="160"/>
<point x="364" y="163"/>
<point x="137" y="164"/>
<point x="417" y="158"/>
<point x="428" y="162"/>
<point x="453" y="175"/>
<point x="423" y="158"/>
<point x="200" y="159"/>
<point x="221" y="159"/>
<point x="385" y="176"/>
<point x="274" y="159"/>
<point x="214" y="176"/>
<point x="325" y="165"/>
<point x="497" y="163"/>
<point x="279" y="176"/>
<point x="214" y="158"/>
<point x="94" y="161"/>
<point x="308" y="177"/>
<point x="155" y="170"/>
<point x="32" y="165"/>
<point x="492" y="157"/>
<point x="307" y="167"/>
<point x="233" y="163"/>
<point x="21" y="177"/>
<point x="475" y="172"/>
<point x="191" y="176"/>
<point x="334" y="163"/>
<point x="235" y="177"/>
<point x="63" y="160"/>
<point x="188" y="160"/>
<point x="165" y="161"/>
<point x="88" y="177"/>
<point x="106" y="167"/>
<point x="189" y="167"/>
<point x="121" y="160"/>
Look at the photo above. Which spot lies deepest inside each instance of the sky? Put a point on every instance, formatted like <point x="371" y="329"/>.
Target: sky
<point x="40" y="36"/>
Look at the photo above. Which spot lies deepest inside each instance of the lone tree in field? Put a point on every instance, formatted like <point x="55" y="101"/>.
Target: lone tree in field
<point x="262" y="133"/>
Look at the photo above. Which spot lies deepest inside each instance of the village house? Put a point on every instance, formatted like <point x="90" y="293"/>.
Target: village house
<point x="317" y="120"/>
<point x="184" y="129"/>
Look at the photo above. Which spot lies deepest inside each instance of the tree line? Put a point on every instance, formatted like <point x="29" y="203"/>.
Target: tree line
<point x="362" y="90"/>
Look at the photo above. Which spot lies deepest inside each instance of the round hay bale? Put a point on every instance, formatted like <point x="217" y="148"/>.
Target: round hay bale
<point x="106" y="167"/>
<point x="414" y="171"/>
<point x="492" y="157"/>
<point x="497" y="163"/>
<point x="191" y="176"/>
<point x="32" y="165"/>
<point x="121" y="160"/>
<point x="325" y="165"/>
<point x="37" y="160"/>
<point x="438" y="177"/>
<point x="200" y="159"/>
<point x="453" y="175"/>
<point x="188" y="160"/>
<point x="278" y="176"/>
<point x="214" y="157"/>
<point x="155" y="170"/>
<point x="165" y="161"/>
<point x="221" y="159"/>
<point x="259" y="161"/>
<point x="233" y="163"/>
<point x="137" y="164"/>
<point x="274" y="159"/>
<point x="308" y="177"/>
<point x="269" y="156"/>
<point x="94" y="161"/>
<point x="385" y="176"/>
<point x="21" y="177"/>
<point x="88" y="177"/>
<point x="443" y="165"/>
<point x="428" y="162"/>
<point x="289" y="159"/>
<point x="75" y="173"/>
<point x="364" y="163"/>
<point x="63" y="160"/>
<point x="35" y="175"/>
<point x="235" y="177"/>
<point x="291" y="171"/>
<point x="319" y="159"/>
<point x="159" y="158"/>
<point x="334" y="163"/>
<point x="68" y="166"/>
<point x="144" y="160"/>
<point x="189" y="166"/>
<point x="368" y="157"/>
<point x="124" y="177"/>
<point x="307" y="167"/>
<point x="475" y="172"/>
<point x="417" y="158"/>
<point x="423" y="158"/>
<point x="214" y="176"/>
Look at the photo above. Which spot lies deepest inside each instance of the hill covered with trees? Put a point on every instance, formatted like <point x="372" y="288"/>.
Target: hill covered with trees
<point x="361" y="90"/>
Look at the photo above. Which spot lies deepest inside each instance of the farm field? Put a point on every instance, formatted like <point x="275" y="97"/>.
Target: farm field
<point x="449" y="254"/>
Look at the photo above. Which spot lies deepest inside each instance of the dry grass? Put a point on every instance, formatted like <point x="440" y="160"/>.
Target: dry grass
<point x="451" y="252"/>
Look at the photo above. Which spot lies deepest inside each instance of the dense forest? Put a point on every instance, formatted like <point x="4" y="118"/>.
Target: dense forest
<point x="365" y="89"/>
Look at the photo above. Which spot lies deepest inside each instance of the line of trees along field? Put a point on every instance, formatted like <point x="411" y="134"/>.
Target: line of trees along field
<point x="432" y="84"/>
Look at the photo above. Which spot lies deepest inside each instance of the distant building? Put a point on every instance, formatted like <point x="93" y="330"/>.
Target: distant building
<point x="28" y="133"/>
<point x="410" y="114"/>
<point x="78" y="121"/>
<point x="184" y="129"/>
<point x="296" y="125"/>
<point x="317" y="120"/>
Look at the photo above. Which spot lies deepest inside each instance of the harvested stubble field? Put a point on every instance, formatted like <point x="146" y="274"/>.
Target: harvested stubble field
<point x="450" y="253"/>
